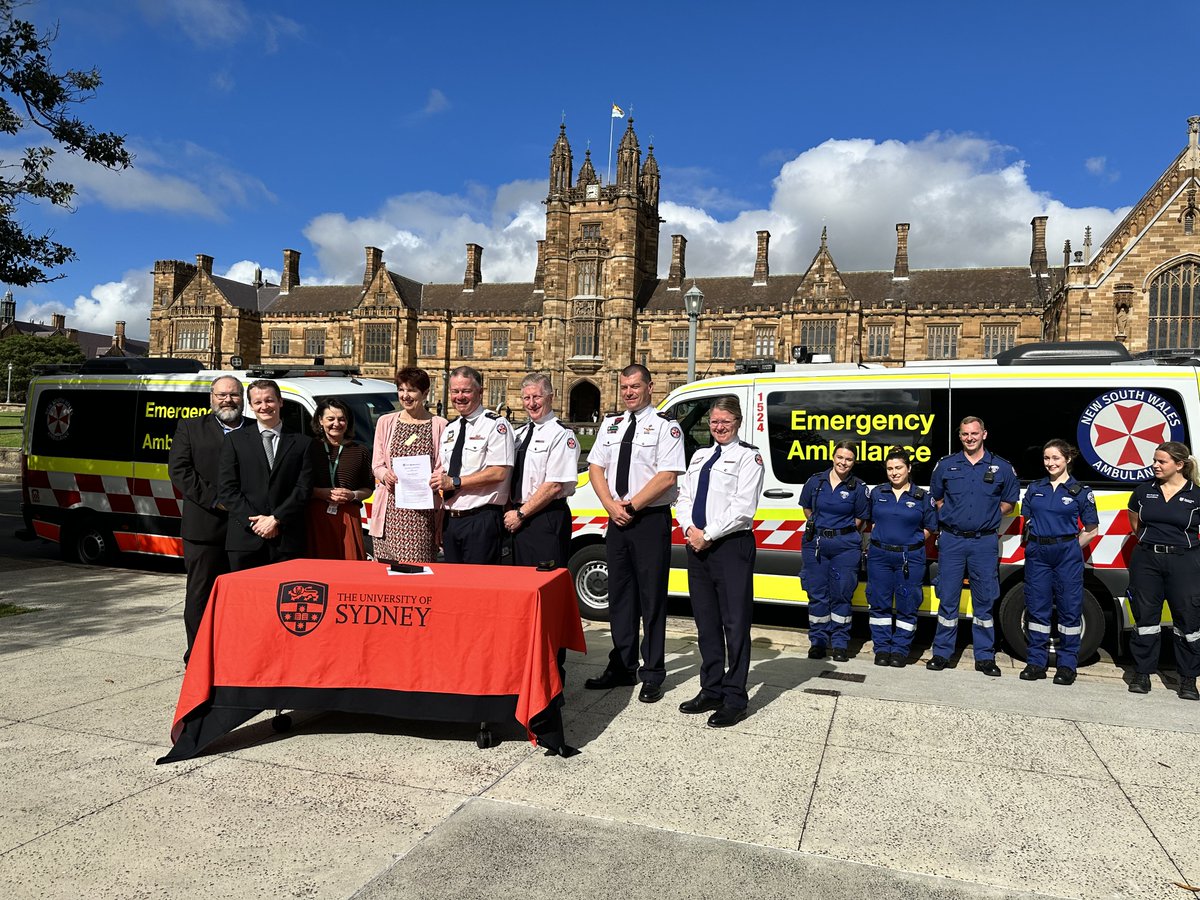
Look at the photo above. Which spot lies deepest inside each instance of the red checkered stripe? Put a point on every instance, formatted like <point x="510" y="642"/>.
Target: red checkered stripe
<point x="103" y="493"/>
<point x="769" y="534"/>
<point x="1110" y="549"/>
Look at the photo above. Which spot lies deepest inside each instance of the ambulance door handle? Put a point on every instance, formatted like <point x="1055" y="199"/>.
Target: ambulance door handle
<point x="776" y="494"/>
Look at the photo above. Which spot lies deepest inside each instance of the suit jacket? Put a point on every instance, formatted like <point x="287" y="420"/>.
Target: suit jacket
<point x="194" y="464"/>
<point x="247" y="488"/>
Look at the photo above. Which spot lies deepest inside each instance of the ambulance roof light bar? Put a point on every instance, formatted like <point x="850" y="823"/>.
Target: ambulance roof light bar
<point x="1065" y="353"/>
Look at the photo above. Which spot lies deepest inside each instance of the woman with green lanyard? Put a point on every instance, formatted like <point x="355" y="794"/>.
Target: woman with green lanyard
<point x="342" y="479"/>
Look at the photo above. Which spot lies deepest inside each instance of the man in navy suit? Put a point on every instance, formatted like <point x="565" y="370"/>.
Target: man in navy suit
<point x="265" y="483"/>
<point x="193" y="466"/>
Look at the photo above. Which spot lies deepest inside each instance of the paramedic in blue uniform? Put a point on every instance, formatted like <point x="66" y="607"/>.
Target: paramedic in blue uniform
<point x="835" y="506"/>
<point x="633" y="467"/>
<point x="1165" y="516"/>
<point x="715" y="512"/>
<point x="1053" y="509"/>
<point x="903" y="517"/>
<point x="973" y="489"/>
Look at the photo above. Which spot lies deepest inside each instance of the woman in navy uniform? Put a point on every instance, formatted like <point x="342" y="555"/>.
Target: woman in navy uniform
<point x="715" y="511"/>
<point x="904" y="517"/>
<point x="1165" y="515"/>
<point x="1053" y="509"/>
<point x="835" y="505"/>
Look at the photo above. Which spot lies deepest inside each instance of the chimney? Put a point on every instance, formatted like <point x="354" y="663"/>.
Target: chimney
<point x="258" y="279"/>
<point x="761" y="268"/>
<point x="204" y="262"/>
<point x="900" y="269"/>
<point x="374" y="259"/>
<point x="119" y="335"/>
<point x="474" y="273"/>
<point x="539" y="274"/>
<point x="1038" y="262"/>
<point x="58" y="321"/>
<point x="291" y="271"/>
<point x="678" y="269"/>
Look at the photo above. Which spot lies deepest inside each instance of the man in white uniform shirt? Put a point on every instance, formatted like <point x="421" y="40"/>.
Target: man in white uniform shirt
<point x="633" y="466"/>
<point x="544" y="475"/>
<point x="477" y="457"/>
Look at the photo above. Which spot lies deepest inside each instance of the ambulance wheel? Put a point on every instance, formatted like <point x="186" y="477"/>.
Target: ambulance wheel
<point x="1015" y="628"/>
<point x="281" y="723"/>
<point x="589" y="571"/>
<point x="89" y="544"/>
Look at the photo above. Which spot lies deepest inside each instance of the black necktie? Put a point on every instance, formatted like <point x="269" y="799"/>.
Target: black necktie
<point x="519" y="465"/>
<point x="456" y="453"/>
<point x="700" y="504"/>
<point x="623" y="458"/>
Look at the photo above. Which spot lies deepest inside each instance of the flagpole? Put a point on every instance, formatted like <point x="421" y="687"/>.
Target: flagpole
<point x="608" y="171"/>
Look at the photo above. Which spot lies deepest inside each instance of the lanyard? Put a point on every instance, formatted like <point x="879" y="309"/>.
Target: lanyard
<point x="333" y="466"/>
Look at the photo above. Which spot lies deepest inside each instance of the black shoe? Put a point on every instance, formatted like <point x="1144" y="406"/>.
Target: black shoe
<point x="701" y="703"/>
<point x="726" y="716"/>
<point x="609" y="679"/>
<point x="883" y="659"/>
<point x="1187" y="689"/>
<point x="1033" y="673"/>
<point x="899" y="660"/>
<point x="650" y="693"/>
<point x="989" y="668"/>
<point x="816" y="651"/>
<point x="1064" y="675"/>
<point x="840" y="654"/>
<point x="1139" y="683"/>
<point x="937" y="663"/>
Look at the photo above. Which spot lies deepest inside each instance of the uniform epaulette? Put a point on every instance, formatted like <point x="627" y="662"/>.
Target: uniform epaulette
<point x="747" y="446"/>
<point x="667" y="416"/>
<point x="492" y="415"/>
<point x="563" y="425"/>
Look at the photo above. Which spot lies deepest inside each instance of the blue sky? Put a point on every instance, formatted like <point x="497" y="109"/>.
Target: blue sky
<point x="326" y="127"/>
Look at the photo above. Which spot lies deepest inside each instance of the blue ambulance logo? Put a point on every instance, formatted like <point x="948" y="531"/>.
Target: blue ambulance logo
<point x="1119" y="431"/>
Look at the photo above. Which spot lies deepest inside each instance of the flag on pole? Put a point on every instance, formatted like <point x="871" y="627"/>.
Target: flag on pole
<point x="617" y="112"/>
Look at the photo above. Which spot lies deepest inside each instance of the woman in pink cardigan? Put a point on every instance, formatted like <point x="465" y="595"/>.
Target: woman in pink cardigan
<point x="406" y="535"/>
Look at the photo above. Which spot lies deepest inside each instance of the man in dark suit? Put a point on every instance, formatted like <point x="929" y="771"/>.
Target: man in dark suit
<point x="265" y="483"/>
<point x="193" y="465"/>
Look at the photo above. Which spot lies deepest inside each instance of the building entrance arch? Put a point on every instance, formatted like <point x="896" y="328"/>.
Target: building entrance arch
<point x="584" y="405"/>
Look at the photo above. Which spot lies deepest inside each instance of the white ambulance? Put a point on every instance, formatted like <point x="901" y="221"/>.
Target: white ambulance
<point x="1114" y="408"/>
<point x="97" y="434"/>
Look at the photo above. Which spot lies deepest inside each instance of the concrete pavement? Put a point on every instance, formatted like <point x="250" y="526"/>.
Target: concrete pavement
<point x="846" y="781"/>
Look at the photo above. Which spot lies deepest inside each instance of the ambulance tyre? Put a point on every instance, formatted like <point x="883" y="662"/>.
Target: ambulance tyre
<point x="1015" y="630"/>
<point x="88" y="543"/>
<point x="589" y="571"/>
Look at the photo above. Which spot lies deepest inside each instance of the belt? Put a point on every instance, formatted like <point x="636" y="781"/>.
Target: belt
<point x="463" y="513"/>
<point x="1053" y="540"/>
<point x="832" y="532"/>
<point x="898" y="548"/>
<point x="1167" y="548"/>
<point x="970" y="534"/>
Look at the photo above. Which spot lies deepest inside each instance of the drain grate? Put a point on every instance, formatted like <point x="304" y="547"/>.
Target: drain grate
<point x="843" y="676"/>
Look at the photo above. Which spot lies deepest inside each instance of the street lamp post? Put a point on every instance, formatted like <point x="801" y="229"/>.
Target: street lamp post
<point x="693" y="301"/>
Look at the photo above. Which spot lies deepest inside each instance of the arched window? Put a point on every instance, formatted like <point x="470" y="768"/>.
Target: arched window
<point x="1175" y="308"/>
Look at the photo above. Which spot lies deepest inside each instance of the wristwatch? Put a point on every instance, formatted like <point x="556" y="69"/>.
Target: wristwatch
<point x="456" y="481"/>
<point x="520" y="515"/>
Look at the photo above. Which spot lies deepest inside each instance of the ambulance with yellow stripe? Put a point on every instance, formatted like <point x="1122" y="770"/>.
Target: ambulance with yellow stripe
<point x="1115" y="408"/>
<point x="97" y="435"/>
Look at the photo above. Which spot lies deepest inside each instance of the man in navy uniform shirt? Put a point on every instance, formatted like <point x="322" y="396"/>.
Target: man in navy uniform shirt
<point x="973" y="490"/>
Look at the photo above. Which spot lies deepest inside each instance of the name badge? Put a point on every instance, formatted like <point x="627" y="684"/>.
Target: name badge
<point x="332" y="509"/>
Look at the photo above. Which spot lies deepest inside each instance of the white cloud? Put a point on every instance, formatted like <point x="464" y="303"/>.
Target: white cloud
<point x="127" y="300"/>
<point x="436" y="103"/>
<point x="243" y="271"/>
<point x="969" y="203"/>
<point x="211" y="23"/>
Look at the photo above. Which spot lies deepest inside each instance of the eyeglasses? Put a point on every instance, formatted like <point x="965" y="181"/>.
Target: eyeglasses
<point x="227" y="396"/>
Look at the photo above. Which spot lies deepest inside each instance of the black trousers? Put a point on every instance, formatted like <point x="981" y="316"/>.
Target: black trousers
<point x="265" y="555"/>
<point x="203" y="564"/>
<point x="1174" y="577"/>
<point x="473" y="539"/>
<point x="721" y="584"/>
<point x="639" y="561"/>
<point x="544" y="537"/>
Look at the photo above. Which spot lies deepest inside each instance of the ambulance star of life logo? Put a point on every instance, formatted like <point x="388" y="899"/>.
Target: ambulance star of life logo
<point x="301" y="605"/>
<point x="58" y="419"/>
<point x="1120" y="430"/>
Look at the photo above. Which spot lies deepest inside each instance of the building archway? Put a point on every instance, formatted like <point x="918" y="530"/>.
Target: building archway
<point x="584" y="405"/>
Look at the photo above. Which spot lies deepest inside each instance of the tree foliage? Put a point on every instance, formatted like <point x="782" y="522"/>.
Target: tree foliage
<point x="33" y="96"/>
<point x="25" y="351"/>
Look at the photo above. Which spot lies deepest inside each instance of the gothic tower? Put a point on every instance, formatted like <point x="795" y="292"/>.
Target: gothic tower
<point x="599" y="261"/>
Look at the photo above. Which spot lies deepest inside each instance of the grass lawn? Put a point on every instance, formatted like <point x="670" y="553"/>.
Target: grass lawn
<point x="10" y="430"/>
<point x="11" y="609"/>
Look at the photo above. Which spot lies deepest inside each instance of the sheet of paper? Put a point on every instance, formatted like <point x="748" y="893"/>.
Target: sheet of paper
<point x="412" y="490"/>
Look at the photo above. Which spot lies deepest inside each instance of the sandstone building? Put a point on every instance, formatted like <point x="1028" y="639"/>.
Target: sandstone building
<point x="597" y="303"/>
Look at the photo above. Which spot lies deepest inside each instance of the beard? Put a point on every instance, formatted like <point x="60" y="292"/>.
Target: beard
<point x="227" y="415"/>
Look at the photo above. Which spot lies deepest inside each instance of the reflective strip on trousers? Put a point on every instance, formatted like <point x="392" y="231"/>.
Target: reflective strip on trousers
<point x="841" y="620"/>
<point x="880" y="620"/>
<point x="817" y="619"/>
<point x="906" y="626"/>
<point x="1149" y="629"/>
<point x="1038" y="627"/>
<point x="949" y="623"/>
<point x="1190" y="638"/>
<point x="1068" y="629"/>
<point x="985" y="623"/>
